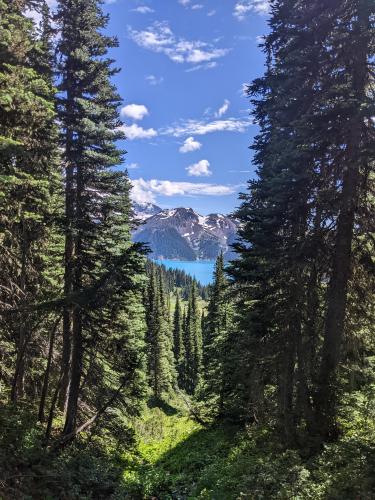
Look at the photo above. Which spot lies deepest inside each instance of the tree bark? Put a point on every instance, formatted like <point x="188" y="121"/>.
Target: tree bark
<point x="68" y="257"/>
<point x="77" y="341"/>
<point x="41" y="416"/>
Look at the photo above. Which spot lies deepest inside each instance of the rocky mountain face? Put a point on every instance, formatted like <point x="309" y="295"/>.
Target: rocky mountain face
<point x="183" y="234"/>
<point x="145" y="210"/>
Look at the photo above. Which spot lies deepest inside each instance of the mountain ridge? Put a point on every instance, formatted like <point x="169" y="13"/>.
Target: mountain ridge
<point x="183" y="234"/>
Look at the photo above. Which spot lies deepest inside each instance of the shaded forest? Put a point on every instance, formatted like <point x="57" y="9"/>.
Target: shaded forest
<point x="122" y="379"/>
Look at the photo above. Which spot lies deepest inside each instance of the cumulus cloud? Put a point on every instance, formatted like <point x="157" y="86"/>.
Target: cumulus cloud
<point x="154" y="80"/>
<point x="143" y="9"/>
<point x="146" y="191"/>
<point x="160" y="38"/>
<point x="223" y="109"/>
<point x="132" y="166"/>
<point x="211" y="13"/>
<point x="134" y="132"/>
<point x="134" y="111"/>
<point x="197" y="6"/>
<point x="200" y="169"/>
<point x="190" y="145"/>
<point x="201" y="127"/>
<point x="243" y="7"/>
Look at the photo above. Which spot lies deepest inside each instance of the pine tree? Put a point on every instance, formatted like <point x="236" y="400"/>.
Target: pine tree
<point x="359" y="38"/>
<point x="215" y="334"/>
<point x="178" y="342"/>
<point x="292" y="232"/>
<point x="88" y="111"/>
<point x="29" y="177"/>
<point x="193" y="343"/>
<point x="161" y="366"/>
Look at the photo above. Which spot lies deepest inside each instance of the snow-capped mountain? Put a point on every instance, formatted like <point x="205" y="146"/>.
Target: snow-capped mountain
<point x="183" y="234"/>
<point x="145" y="210"/>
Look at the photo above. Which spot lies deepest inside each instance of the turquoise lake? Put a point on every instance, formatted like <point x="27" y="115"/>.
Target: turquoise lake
<point x="201" y="270"/>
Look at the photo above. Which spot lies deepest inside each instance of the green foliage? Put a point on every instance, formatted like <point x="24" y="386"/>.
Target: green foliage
<point x="161" y="364"/>
<point x="89" y="469"/>
<point x="193" y="343"/>
<point x="217" y="367"/>
<point x="179" y="459"/>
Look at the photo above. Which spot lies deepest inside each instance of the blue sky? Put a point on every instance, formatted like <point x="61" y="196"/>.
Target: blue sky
<point x="183" y="65"/>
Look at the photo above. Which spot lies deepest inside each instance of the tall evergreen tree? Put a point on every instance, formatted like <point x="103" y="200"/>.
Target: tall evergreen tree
<point x="295" y="212"/>
<point x="178" y="341"/>
<point x="88" y="111"/>
<point x="358" y="33"/>
<point x="193" y="342"/>
<point x="215" y="334"/>
<point x="29" y="177"/>
<point x="161" y="366"/>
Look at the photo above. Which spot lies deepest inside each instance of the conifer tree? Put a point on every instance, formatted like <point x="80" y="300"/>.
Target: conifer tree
<point x="29" y="176"/>
<point x="161" y="368"/>
<point x="215" y="335"/>
<point x="178" y="341"/>
<point x="88" y="111"/>
<point x="193" y="342"/>
<point x="297" y="211"/>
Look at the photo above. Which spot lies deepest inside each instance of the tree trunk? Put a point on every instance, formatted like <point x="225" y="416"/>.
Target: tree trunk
<point x="68" y="258"/>
<point x="76" y="372"/>
<point x="19" y="373"/>
<point x="41" y="416"/>
<point x="77" y="343"/>
<point x="342" y="256"/>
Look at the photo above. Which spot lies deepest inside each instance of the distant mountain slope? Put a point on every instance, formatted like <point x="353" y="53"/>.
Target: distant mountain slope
<point x="145" y="210"/>
<point x="183" y="234"/>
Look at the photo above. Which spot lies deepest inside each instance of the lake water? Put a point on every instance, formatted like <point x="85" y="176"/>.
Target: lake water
<point x="201" y="270"/>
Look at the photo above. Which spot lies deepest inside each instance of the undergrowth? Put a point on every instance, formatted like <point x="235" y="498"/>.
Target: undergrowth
<point x="168" y="456"/>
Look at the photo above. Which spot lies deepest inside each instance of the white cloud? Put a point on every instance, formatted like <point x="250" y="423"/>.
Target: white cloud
<point x="160" y="38"/>
<point x="134" y="111"/>
<point x="243" y="7"/>
<point x="134" y="132"/>
<point x="200" y="127"/>
<point x="36" y="16"/>
<point x="209" y="65"/>
<point x="132" y="166"/>
<point x="224" y="108"/>
<point x="200" y="169"/>
<point x="154" y="80"/>
<point x="188" y="4"/>
<point x="211" y="13"/>
<point x="190" y="145"/>
<point x="143" y="9"/>
<point x="146" y="191"/>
